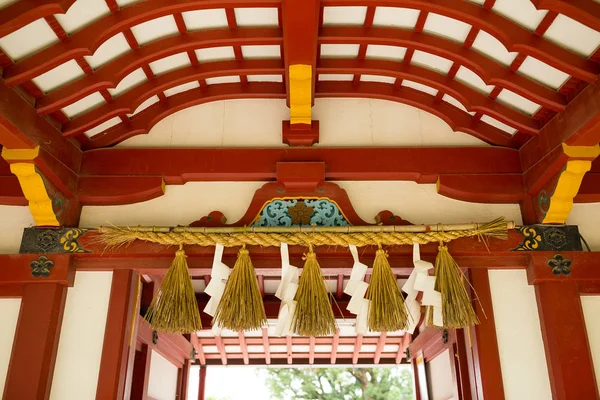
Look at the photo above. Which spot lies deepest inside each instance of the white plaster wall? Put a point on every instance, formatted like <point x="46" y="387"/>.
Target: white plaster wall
<point x="343" y="122"/>
<point x="439" y="377"/>
<point x="82" y="337"/>
<point x="587" y="216"/>
<point x="14" y="220"/>
<point x="184" y="204"/>
<point x="591" y="311"/>
<point x="162" y="382"/>
<point x="522" y="357"/>
<point x="9" y="315"/>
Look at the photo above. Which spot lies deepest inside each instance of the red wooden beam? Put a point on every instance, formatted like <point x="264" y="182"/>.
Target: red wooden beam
<point x="406" y="340"/>
<point x="311" y="350"/>
<point x="23" y="12"/>
<point x="243" y="347"/>
<point x="565" y="341"/>
<point x="87" y="40"/>
<point x="422" y="165"/>
<point x="105" y="191"/>
<point x="197" y="344"/>
<point x="33" y="355"/>
<point x="379" y="349"/>
<point x="175" y="348"/>
<point x="357" y="346"/>
<point x="141" y="373"/>
<point x="118" y="335"/>
<point x="202" y="383"/>
<point x="486" y="357"/>
<point x="586" y="12"/>
<point x="267" y="351"/>
<point x="512" y="35"/>
<point x="584" y="267"/>
<point x="334" y="346"/>
<point x="289" y="349"/>
<point x="221" y="348"/>
<point x="110" y="74"/>
<point x="487" y="69"/>
<point x="16" y="269"/>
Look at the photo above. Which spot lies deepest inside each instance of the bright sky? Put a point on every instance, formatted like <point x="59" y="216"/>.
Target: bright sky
<point x="231" y="383"/>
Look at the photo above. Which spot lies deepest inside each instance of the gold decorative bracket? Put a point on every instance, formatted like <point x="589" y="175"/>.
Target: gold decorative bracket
<point x="300" y="76"/>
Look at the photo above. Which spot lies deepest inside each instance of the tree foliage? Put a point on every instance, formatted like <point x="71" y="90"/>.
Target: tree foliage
<point x="340" y="384"/>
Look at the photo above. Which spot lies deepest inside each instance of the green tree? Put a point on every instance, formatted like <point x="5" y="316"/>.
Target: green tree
<point x="340" y="384"/>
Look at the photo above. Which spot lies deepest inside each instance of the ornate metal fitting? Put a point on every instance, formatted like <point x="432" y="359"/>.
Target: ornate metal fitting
<point x="193" y="354"/>
<point x="445" y="336"/>
<point x="154" y="337"/>
<point x="41" y="267"/>
<point x="408" y="355"/>
<point x="560" y="265"/>
<point x="52" y="240"/>
<point x="301" y="212"/>
<point x="549" y="238"/>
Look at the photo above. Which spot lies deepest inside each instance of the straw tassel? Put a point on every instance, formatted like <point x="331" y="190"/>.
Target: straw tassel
<point x="313" y="315"/>
<point x="387" y="311"/>
<point x="457" y="308"/>
<point x="174" y="308"/>
<point x="241" y="307"/>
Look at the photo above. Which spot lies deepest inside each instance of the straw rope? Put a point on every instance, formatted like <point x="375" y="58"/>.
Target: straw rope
<point x="115" y="236"/>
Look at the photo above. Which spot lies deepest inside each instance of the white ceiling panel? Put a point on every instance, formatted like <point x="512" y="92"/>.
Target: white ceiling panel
<point x="451" y="100"/>
<point x="170" y="63"/>
<point x="103" y="126"/>
<point x="500" y="125"/>
<point x="261" y="51"/>
<point x="493" y="48"/>
<point x="4" y="3"/>
<point x="147" y="103"/>
<point x="215" y="54"/>
<point x="28" y="40"/>
<point x="155" y="29"/>
<point x="519" y="102"/>
<point x="222" y="79"/>
<point x="377" y="51"/>
<point x="470" y="78"/>
<point x="339" y="50"/>
<point x="344" y="15"/>
<point x="542" y="72"/>
<point x="419" y="87"/>
<point x="82" y="13"/>
<point x="85" y="104"/>
<point x="124" y="3"/>
<point x="335" y="77"/>
<point x="522" y="12"/>
<point x="265" y="78"/>
<point x="205" y="19"/>
<point x="395" y="17"/>
<point x="111" y="49"/>
<point x="573" y="35"/>
<point x="377" y="78"/>
<point x="181" y="88"/>
<point x="450" y="28"/>
<point x="58" y="76"/>
<point x="133" y="79"/>
<point x="431" y="61"/>
<point x="256" y="17"/>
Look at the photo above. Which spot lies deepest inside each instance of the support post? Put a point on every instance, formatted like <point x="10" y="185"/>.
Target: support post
<point x="118" y="336"/>
<point x="565" y="341"/>
<point x="202" y="382"/>
<point x="141" y="373"/>
<point x="33" y="357"/>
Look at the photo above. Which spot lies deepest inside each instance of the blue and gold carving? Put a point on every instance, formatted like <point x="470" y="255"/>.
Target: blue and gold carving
<point x="301" y="212"/>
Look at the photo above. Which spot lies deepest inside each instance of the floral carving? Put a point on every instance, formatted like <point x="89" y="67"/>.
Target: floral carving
<point x="41" y="267"/>
<point x="300" y="213"/>
<point x="560" y="265"/>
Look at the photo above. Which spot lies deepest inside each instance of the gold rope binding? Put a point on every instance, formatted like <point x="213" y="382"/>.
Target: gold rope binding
<point x="116" y="236"/>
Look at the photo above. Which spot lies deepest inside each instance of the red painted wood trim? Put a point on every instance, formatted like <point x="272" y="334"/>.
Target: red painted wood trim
<point x="586" y="12"/>
<point x="243" y="347"/>
<point x="202" y="383"/>
<point x="175" y="348"/>
<point x="334" y="346"/>
<point x="379" y="348"/>
<point x="491" y="72"/>
<point x="265" y="335"/>
<point x="113" y="365"/>
<point x="584" y="267"/>
<point x="24" y="12"/>
<point x="141" y="373"/>
<point x="357" y="346"/>
<point x="33" y="356"/>
<point x="222" y="351"/>
<point x="487" y="368"/>
<point x="423" y="165"/>
<point x="565" y="341"/>
<point x="16" y="270"/>
<point x="485" y="188"/>
<point x="98" y="190"/>
<point x="197" y="344"/>
<point x="128" y="102"/>
<point x="183" y="377"/>
<point x="11" y="291"/>
<point x="589" y="288"/>
<point x="406" y="340"/>
<point x="87" y="40"/>
<point x="513" y="36"/>
<point x="311" y="350"/>
<point x="110" y="74"/>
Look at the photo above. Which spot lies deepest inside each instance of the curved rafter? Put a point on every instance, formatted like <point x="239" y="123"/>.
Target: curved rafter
<point x="585" y="11"/>
<point x="457" y="119"/>
<point x="490" y="71"/>
<point x="128" y="102"/>
<point x="86" y="41"/>
<point x="145" y="120"/>
<point x="109" y="75"/>
<point x="23" y="12"/>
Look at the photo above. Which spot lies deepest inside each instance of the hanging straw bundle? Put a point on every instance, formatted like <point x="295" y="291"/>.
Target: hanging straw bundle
<point x="241" y="307"/>
<point x="174" y="308"/>
<point x="387" y="312"/>
<point x="457" y="309"/>
<point x="313" y="315"/>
